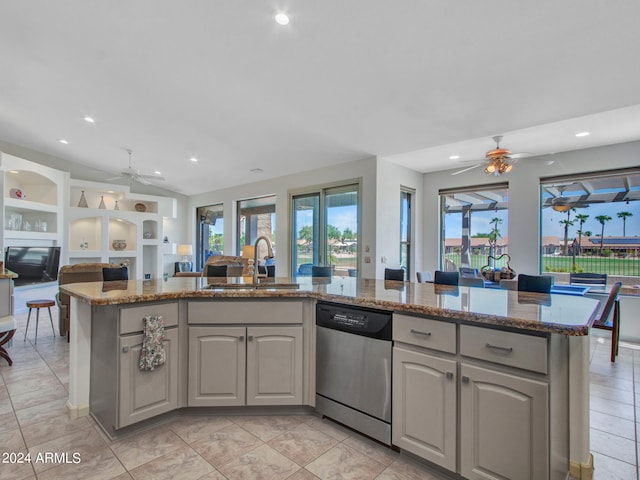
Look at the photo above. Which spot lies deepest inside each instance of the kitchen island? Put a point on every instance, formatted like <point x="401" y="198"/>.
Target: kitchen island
<point x="547" y="349"/>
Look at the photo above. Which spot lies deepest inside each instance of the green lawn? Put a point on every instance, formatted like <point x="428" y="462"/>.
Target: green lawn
<point x="593" y="264"/>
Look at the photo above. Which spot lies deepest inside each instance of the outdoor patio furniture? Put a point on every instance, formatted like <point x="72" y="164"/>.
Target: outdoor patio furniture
<point x="588" y="278"/>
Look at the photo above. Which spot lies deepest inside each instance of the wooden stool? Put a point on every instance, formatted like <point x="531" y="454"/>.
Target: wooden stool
<point x="38" y="304"/>
<point x="7" y="329"/>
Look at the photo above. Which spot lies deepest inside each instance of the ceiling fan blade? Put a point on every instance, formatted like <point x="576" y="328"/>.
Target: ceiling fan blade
<point x="467" y="169"/>
<point x="113" y="178"/>
<point x="151" y="177"/>
<point x="142" y="180"/>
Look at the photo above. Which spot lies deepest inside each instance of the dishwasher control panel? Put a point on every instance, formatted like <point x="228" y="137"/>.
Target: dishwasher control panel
<point x="360" y="321"/>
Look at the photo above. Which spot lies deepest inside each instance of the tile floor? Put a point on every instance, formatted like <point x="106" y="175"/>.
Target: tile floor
<point x="33" y="419"/>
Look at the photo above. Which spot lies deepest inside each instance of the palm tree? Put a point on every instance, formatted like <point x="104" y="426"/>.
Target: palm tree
<point x="567" y="223"/>
<point x="624" y="216"/>
<point x="581" y="217"/>
<point x="602" y="219"/>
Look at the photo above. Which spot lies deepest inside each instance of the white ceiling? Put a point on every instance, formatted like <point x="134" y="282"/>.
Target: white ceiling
<point x="344" y="80"/>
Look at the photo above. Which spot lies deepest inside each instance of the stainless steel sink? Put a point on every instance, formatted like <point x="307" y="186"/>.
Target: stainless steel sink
<point x="251" y="286"/>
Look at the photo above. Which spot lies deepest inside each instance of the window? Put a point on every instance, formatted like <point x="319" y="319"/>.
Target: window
<point x="210" y="221"/>
<point x="325" y="230"/>
<point x="405" y="232"/>
<point x="256" y="218"/>
<point x="590" y="223"/>
<point x="474" y="226"/>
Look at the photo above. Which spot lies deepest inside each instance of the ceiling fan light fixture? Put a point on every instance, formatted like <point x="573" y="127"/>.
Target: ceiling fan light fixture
<point x="491" y="168"/>
<point x="561" y="207"/>
<point x="504" y="167"/>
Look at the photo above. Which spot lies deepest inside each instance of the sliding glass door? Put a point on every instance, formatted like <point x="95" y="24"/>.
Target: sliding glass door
<point x="325" y="230"/>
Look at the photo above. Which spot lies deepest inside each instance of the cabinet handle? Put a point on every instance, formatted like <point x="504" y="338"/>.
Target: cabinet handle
<point x="449" y="375"/>
<point x="418" y="332"/>
<point x="125" y="349"/>
<point x="502" y="349"/>
<point x="465" y="379"/>
<point x="250" y="338"/>
<point x="241" y="338"/>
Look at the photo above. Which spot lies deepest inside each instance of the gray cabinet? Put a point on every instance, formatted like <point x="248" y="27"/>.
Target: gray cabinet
<point x="145" y="394"/>
<point x="274" y="365"/>
<point x="503" y="425"/>
<point x="424" y="406"/>
<point x="481" y="409"/>
<point x="245" y="366"/>
<point x="217" y="362"/>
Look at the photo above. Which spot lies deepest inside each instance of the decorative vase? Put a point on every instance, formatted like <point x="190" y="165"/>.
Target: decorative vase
<point x="102" y="206"/>
<point x="116" y="207"/>
<point x="119" y="244"/>
<point x="83" y="201"/>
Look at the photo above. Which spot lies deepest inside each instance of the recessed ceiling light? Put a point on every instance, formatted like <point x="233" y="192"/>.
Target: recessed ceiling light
<point x="583" y="134"/>
<point x="89" y="119"/>
<point x="63" y="141"/>
<point x="282" y="19"/>
<point x="158" y="172"/>
<point x="257" y="170"/>
<point x="454" y="157"/>
<point x="194" y="159"/>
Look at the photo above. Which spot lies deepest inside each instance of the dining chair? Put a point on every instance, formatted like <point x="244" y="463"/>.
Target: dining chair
<point x="215" y="271"/>
<point x="446" y="278"/>
<point x="588" y="278"/>
<point x="394" y="274"/>
<point x="471" y="282"/>
<point x="534" y="283"/>
<point x="320" y="271"/>
<point x="118" y="273"/>
<point x="612" y="306"/>
<point x="424" y="277"/>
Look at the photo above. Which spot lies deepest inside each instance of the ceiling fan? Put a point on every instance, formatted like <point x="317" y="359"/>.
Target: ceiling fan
<point x="499" y="160"/>
<point x="134" y="174"/>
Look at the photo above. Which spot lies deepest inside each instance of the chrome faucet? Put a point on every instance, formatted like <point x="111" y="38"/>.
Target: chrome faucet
<point x="255" y="258"/>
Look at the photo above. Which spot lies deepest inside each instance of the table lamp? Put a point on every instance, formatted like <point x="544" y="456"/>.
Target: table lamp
<point x="185" y="251"/>
<point x="248" y="251"/>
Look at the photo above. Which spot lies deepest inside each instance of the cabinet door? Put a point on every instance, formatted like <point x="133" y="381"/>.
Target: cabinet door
<point x="145" y="394"/>
<point x="274" y="366"/>
<point x="424" y="406"/>
<point x="504" y="426"/>
<point x="216" y="366"/>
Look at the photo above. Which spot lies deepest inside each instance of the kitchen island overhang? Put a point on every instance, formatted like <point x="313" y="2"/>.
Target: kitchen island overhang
<point x="564" y="319"/>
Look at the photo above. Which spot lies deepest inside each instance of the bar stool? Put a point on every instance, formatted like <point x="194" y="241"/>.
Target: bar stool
<point x="38" y="304"/>
<point x="7" y="329"/>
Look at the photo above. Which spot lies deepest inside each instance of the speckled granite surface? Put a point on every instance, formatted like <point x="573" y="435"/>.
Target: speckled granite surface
<point x="562" y="314"/>
<point x="4" y="273"/>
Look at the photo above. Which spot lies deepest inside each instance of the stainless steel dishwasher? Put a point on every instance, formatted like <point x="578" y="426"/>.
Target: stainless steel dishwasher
<point x="353" y="368"/>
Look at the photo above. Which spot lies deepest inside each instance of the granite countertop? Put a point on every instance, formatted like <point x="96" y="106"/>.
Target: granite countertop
<point x="562" y="314"/>
<point x="4" y="273"/>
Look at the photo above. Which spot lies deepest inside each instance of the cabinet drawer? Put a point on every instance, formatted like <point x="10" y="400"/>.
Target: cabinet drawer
<point x="425" y="332"/>
<point x="131" y="318"/>
<point x="244" y="312"/>
<point x="508" y="348"/>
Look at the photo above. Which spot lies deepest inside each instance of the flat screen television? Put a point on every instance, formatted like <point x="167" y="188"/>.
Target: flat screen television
<point x="33" y="264"/>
